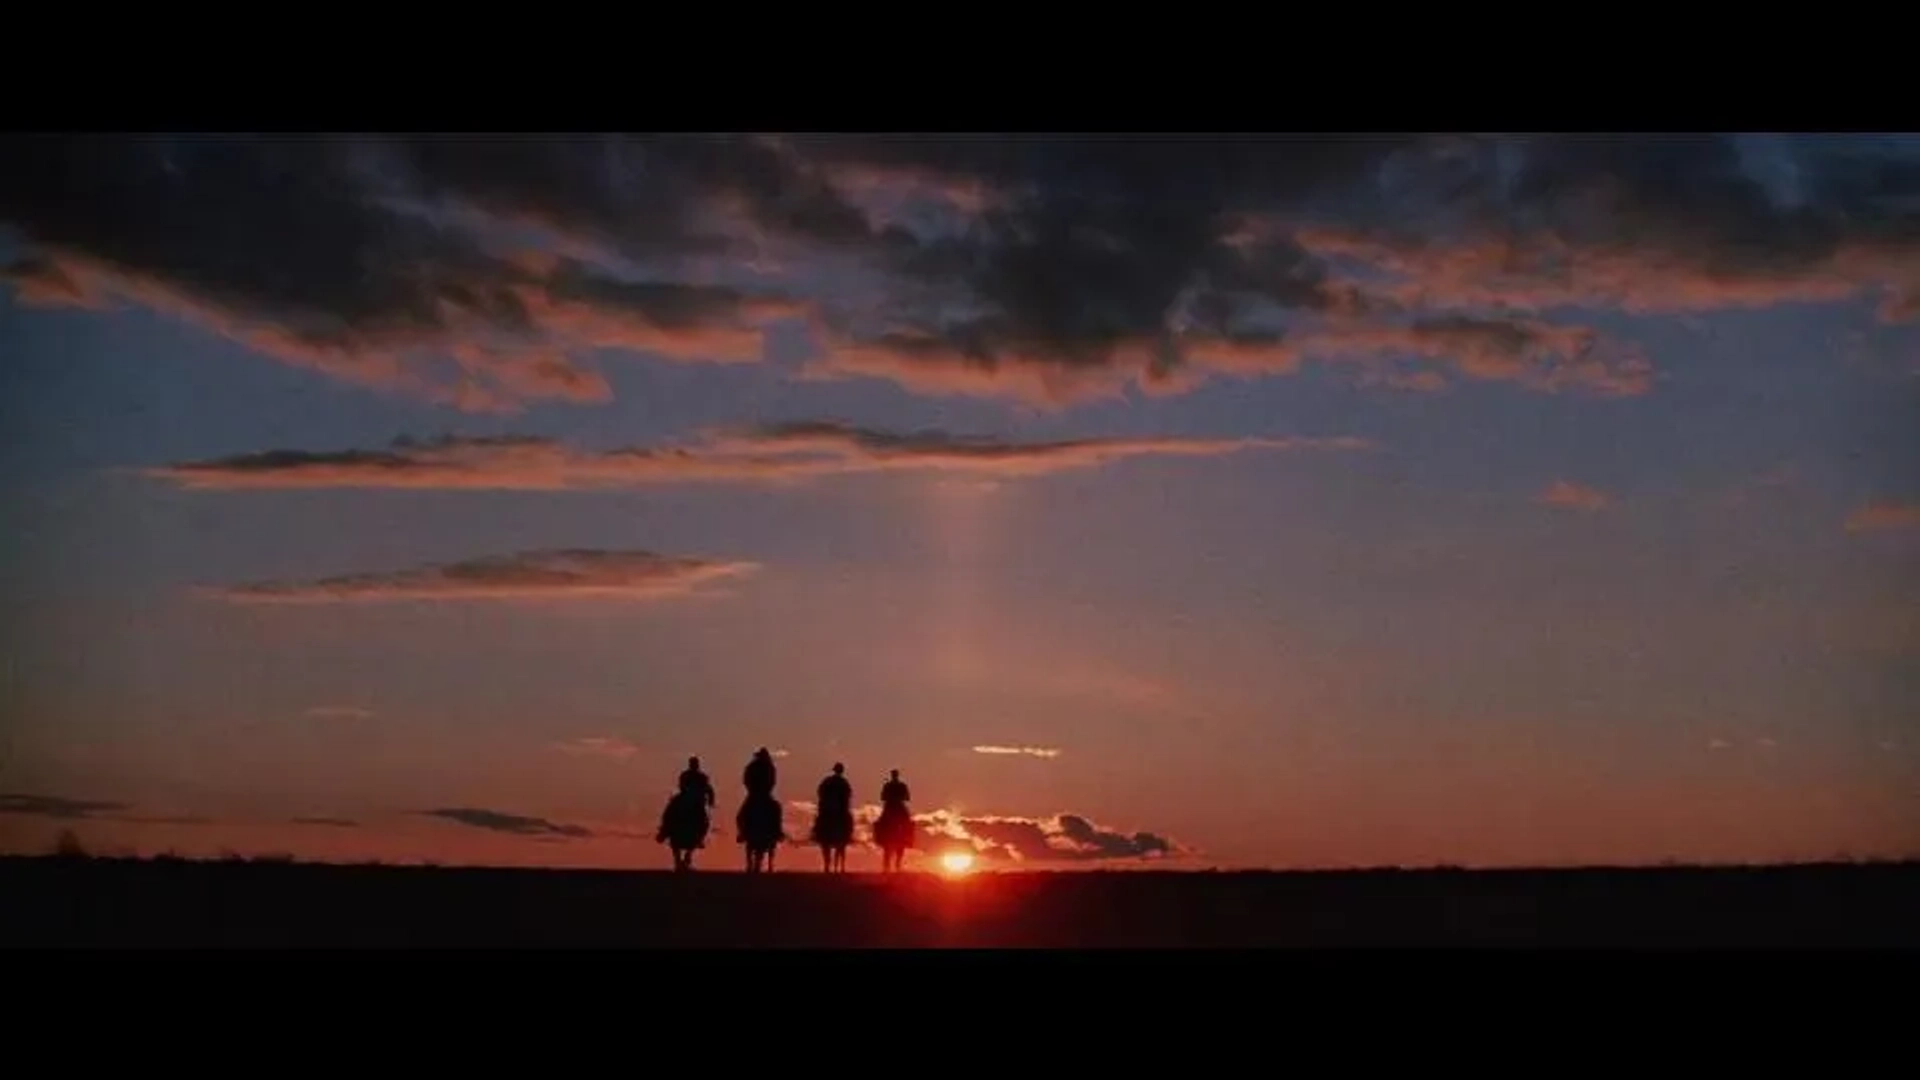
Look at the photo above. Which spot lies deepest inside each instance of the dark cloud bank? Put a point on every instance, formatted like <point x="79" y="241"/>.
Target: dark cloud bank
<point x="481" y="273"/>
<point x="1062" y="838"/>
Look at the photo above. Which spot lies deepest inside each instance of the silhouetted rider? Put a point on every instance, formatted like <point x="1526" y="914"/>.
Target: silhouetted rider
<point x="835" y="792"/>
<point x="894" y="792"/>
<point x="893" y="832"/>
<point x="760" y="774"/>
<point x="694" y="783"/>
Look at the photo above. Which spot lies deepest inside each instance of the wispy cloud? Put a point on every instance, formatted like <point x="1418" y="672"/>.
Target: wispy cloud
<point x="64" y="809"/>
<point x="773" y="453"/>
<point x="1566" y="495"/>
<point x="327" y="822"/>
<point x="531" y="575"/>
<point x="1884" y="515"/>
<point x="1778" y="478"/>
<point x="516" y="824"/>
<point x="605" y="746"/>
<point x="339" y="712"/>
<point x="1026" y="751"/>
<point x="59" y="807"/>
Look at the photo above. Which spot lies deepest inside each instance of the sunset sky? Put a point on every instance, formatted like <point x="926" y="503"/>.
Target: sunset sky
<point x="1277" y="501"/>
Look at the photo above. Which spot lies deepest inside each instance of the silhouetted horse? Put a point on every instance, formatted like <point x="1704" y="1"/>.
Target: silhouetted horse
<point x="893" y="834"/>
<point x="760" y="827"/>
<point x="833" y="831"/>
<point x="683" y="827"/>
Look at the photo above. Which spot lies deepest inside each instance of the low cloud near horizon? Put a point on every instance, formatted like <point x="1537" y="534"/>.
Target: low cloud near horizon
<point x="515" y="824"/>
<point x="60" y="808"/>
<point x="528" y="575"/>
<point x="1063" y="838"/>
<point x="1058" y="838"/>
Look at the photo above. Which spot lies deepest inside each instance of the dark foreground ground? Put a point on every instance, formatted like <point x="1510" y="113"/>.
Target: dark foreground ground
<point x="48" y="902"/>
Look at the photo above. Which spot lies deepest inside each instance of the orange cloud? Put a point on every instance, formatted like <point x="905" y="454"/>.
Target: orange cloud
<point x="509" y="335"/>
<point x="1571" y="496"/>
<point x="43" y="282"/>
<point x="1884" y="515"/>
<point x="606" y="746"/>
<point x="773" y="453"/>
<point x="1536" y="272"/>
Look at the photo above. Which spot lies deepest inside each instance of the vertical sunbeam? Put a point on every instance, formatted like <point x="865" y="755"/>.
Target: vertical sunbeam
<point x="960" y="520"/>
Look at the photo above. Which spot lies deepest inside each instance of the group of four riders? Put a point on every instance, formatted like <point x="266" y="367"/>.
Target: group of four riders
<point x="760" y="826"/>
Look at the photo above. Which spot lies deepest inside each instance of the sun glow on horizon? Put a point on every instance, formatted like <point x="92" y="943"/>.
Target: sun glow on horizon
<point x="956" y="863"/>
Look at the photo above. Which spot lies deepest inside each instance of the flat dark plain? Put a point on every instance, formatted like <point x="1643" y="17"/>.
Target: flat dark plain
<point x="54" y="902"/>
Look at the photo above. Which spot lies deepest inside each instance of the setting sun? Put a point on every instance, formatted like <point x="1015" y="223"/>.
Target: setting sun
<point x="956" y="862"/>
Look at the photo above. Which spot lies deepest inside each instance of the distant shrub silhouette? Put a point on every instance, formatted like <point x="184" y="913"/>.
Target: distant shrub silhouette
<point x="68" y="846"/>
